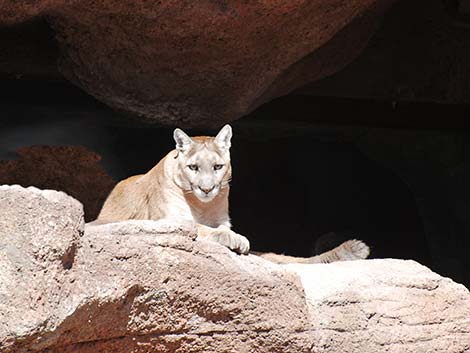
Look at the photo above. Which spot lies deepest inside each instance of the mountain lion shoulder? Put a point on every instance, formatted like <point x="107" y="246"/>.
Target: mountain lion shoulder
<point x="192" y="183"/>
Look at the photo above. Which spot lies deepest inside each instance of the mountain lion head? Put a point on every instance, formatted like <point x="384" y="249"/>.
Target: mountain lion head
<point x="203" y="163"/>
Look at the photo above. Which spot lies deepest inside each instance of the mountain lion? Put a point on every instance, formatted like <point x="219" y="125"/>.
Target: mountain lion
<point x="192" y="183"/>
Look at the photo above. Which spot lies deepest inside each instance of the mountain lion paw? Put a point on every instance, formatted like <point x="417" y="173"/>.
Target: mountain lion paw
<point x="231" y="240"/>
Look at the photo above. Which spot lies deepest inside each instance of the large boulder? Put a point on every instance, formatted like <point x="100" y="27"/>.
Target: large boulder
<point x="39" y="236"/>
<point x="201" y="63"/>
<point x="146" y="286"/>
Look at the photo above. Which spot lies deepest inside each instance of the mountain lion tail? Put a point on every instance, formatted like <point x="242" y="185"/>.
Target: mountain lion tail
<point x="347" y="251"/>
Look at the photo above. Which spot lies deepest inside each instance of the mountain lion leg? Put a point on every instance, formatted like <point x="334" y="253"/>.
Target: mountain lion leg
<point x="225" y="236"/>
<point x="349" y="250"/>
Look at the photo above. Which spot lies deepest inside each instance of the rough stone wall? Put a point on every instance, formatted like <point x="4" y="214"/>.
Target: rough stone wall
<point x="204" y="63"/>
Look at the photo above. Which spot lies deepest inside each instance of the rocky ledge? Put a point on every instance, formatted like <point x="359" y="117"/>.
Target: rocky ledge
<point x="143" y="286"/>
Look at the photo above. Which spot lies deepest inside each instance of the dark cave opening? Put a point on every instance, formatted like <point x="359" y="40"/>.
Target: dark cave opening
<point x="288" y="192"/>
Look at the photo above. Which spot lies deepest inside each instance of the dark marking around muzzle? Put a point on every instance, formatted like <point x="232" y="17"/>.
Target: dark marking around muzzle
<point x="207" y="190"/>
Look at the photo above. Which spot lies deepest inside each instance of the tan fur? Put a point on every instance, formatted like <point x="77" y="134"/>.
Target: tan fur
<point x="172" y="190"/>
<point x="349" y="250"/>
<point x="156" y="195"/>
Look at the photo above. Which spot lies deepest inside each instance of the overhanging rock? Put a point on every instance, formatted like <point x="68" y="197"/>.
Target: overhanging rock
<point x="201" y="63"/>
<point x="146" y="286"/>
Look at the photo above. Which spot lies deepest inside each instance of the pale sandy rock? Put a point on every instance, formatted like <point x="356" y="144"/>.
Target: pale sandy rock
<point x="144" y="286"/>
<point x="39" y="234"/>
<point x="385" y="306"/>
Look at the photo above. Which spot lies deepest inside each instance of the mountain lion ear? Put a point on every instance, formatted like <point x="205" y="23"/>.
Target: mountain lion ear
<point x="182" y="140"/>
<point x="224" y="136"/>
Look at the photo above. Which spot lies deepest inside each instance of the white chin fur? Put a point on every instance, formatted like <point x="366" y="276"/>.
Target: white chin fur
<point x="203" y="197"/>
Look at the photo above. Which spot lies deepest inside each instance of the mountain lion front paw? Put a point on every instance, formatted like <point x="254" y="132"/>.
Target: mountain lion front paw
<point x="230" y="239"/>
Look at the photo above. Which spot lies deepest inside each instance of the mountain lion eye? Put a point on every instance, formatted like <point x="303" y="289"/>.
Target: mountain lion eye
<point x="193" y="167"/>
<point x="218" y="166"/>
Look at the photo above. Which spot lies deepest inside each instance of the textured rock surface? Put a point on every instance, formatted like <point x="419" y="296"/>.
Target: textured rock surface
<point x="201" y="63"/>
<point x="385" y="306"/>
<point x="39" y="234"/>
<point x="146" y="286"/>
<point x="72" y="169"/>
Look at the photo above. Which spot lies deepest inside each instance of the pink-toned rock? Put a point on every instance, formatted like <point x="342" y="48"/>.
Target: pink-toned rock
<point x="72" y="169"/>
<point x="39" y="235"/>
<point x="145" y="286"/>
<point x="200" y="63"/>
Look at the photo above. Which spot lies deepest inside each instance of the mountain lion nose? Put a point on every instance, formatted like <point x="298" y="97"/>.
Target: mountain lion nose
<point x="207" y="190"/>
